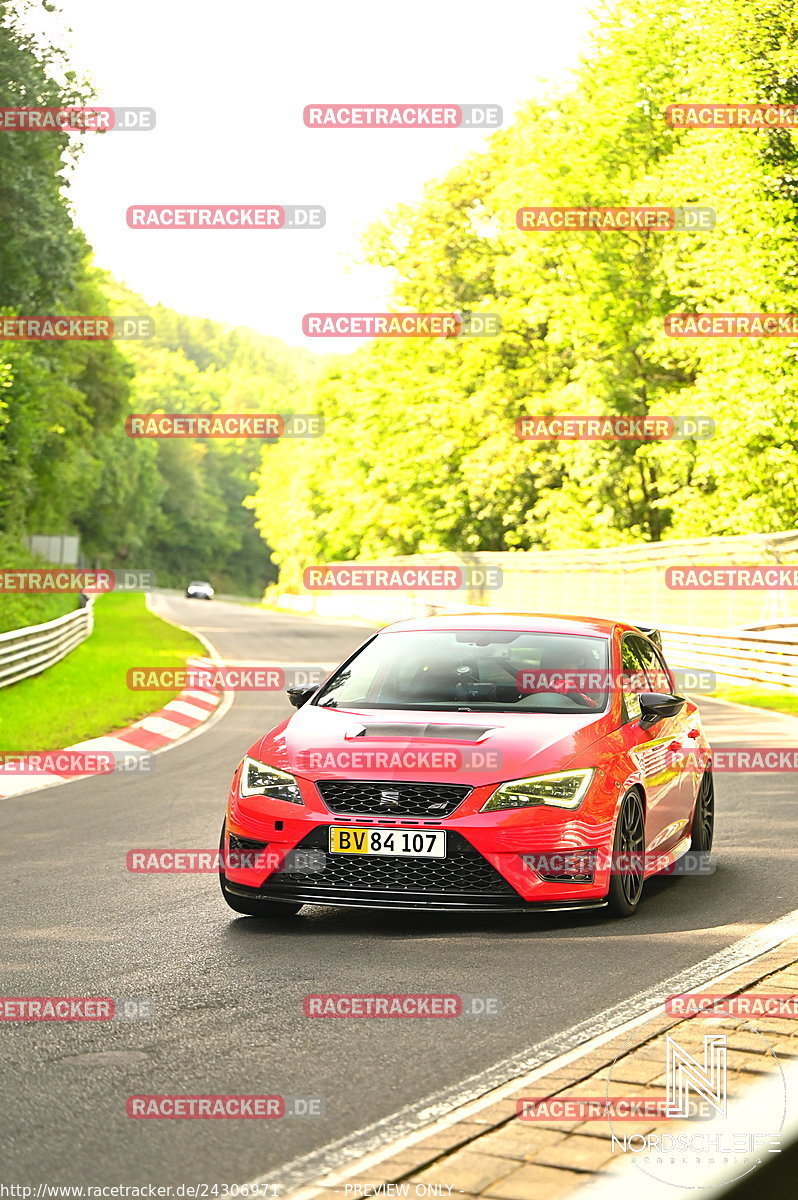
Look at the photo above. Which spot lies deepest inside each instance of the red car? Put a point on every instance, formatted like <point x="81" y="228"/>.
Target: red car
<point x="492" y="762"/>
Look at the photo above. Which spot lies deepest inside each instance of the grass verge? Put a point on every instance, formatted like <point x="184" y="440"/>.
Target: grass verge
<point x="86" y="695"/>
<point x="17" y="611"/>
<point x="786" y="702"/>
<point x="20" y="609"/>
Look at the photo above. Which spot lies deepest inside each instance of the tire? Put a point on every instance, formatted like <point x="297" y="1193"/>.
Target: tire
<point x="626" y="885"/>
<point x="253" y="908"/>
<point x="703" y="826"/>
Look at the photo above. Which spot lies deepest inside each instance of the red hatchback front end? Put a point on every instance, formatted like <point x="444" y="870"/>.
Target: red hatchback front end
<point x="484" y="762"/>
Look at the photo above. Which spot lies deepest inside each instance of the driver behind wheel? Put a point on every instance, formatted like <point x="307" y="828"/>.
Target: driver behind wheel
<point x="563" y="672"/>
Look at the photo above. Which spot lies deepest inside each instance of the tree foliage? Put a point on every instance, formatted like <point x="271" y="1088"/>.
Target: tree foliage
<point x="421" y="452"/>
<point x="66" y="463"/>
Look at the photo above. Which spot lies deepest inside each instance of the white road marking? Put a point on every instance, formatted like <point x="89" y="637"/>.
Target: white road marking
<point x="161" y="725"/>
<point x="19" y="785"/>
<point x="195" y="694"/>
<point x="106" y="744"/>
<point x="188" y="710"/>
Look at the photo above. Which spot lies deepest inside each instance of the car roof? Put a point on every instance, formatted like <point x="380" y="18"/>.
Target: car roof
<point x="524" y="622"/>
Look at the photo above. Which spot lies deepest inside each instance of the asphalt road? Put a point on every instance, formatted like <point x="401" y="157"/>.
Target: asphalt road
<point x="228" y="991"/>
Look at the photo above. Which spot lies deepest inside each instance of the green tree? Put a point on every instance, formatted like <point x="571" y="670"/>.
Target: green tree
<point x="421" y="452"/>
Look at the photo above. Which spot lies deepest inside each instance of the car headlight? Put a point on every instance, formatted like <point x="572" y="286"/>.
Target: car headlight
<point x="566" y="789"/>
<point x="257" y="779"/>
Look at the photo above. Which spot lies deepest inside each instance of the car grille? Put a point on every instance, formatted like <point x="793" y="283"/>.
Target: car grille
<point x="366" y="797"/>
<point x="464" y="876"/>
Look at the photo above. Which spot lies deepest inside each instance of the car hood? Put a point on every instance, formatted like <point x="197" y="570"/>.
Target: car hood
<point x="473" y="748"/>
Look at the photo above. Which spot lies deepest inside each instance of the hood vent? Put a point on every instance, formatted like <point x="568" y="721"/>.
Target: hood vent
<point x="441" y="733"/>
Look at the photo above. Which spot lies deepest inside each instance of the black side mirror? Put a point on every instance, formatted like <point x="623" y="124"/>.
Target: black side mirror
<point x="655" y="706"/>
<point x="299" y="695"/>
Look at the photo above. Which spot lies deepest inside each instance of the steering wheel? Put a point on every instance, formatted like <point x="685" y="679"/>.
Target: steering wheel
<point x="572" y="693"/>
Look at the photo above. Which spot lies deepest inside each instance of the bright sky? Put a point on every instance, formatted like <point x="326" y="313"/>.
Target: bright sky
<point x="229" y="81"/>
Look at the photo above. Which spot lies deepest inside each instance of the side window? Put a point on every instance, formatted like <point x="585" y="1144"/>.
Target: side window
<point x="662" y="672"/>
<point x="653" y="664"/>
<point x="633" y="679"/>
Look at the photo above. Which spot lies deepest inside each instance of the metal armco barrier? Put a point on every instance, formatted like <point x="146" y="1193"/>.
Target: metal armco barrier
<point x="26" y="652"/>
<point x="766" y="656"/>
<point x="623" y="581"/>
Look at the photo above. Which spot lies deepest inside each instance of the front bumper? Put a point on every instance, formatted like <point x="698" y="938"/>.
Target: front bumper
<point x="488" y="865"/>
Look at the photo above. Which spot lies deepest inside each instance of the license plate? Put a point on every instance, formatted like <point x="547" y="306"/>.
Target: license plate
<point x="406" y="843"/>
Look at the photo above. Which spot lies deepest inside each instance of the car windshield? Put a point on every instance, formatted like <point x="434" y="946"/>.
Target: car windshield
<point x="474" y="671"/>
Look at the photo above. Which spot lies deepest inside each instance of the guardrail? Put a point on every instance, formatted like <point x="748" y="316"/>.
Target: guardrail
<point x="26" y="652"/>
<point x="626" y="580"/>
<point x="763" y="656"/>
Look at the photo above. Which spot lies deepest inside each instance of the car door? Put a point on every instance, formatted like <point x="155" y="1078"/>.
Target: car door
<point x="659" y="750"/>
<point x="684" y="747"/>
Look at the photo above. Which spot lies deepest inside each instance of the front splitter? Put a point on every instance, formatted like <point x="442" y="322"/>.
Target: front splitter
<point x="409" y="903"/>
